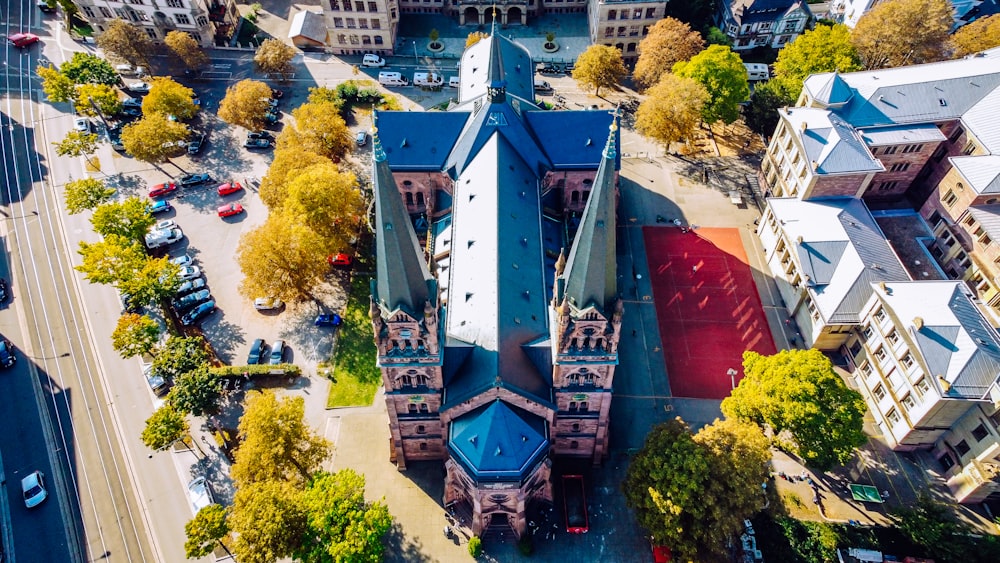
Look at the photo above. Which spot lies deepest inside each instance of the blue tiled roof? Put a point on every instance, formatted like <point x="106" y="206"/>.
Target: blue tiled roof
<point x="572" y="139"/>
<point x="419" y="140"/>
<point x="498" y="442"/>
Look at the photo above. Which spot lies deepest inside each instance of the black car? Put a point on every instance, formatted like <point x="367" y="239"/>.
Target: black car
<point x="260" y="135"/>
<point x="198" y="313"/>
<point x="258" y="143"/>
<point x="7" y="357"/>
<point x="196" y="143"/>
<point x="182" y="304"/>
<point x="258" y="350"/>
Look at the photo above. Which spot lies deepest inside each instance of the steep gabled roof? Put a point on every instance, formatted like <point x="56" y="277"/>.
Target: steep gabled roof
<point x="492" y="59"/>
<point x="502" y="119"/>
<point x="832" y="90"/>
<point x="982" y="172"/>
<point x="498" y="442"/>
<point x="831" y="145"/>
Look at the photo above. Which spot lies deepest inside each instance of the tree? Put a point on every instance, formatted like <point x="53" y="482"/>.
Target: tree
<point x="126" y="42"/>
<point x="669" y="42"/>
<point x="135" y="335"/>
<point x="86" y="194"/>
<point x="165" y="427"/>
<point x="932" y="526"/>
<point x="112" y="260"/>
<point x="276" y="443"/>
<point x="245" y="104"/>
<point x="207" y="528"/>
<point x="180" y="355"/>
<point x="600" y="66"/>
<point x="339" y="524"/>
<point x="154" y="138"/>
<point x="320" y="129"/>
<point x="798" y="391"/>
<point x="77" y="143"/>
<point x="155" y="281"/>
<point x="187" y="49"/>
<point x="282" y="258"/>
<point x="274" y="56"/>
<point x="761" y="114"/>
<point x="94" y="99"/>
<point x="267" y="520"/>
<point x="977" y="36"/>
<point x="196" y="392"/>
<point x="327" y="201"/>
<point x="698" y="13"/>
<point x="903" y="32"/>
<point x="87" y="68"/>
<point x="167" y="97"/>
<point x="475" y="37"/>
<point x="289" y="161"/>
<point x="823" y="49"/>
<point x="57" y="87"/>
<point x="129" y="218"/>
<point x="672" y="109"/>
<point x="718" y="37"/>
<point x="722" y="73"/>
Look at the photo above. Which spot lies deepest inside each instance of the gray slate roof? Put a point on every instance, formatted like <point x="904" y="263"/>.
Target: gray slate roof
<point x="982" y="172"/>
<point x="831" y="143"/>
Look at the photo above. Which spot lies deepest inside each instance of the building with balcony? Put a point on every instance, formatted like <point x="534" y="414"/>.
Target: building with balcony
<point x="208" y="21"/>
<point x="762" y="23"/>
<point x="623" y="24"/>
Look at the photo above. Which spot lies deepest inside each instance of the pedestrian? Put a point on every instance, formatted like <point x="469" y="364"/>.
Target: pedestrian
<point x="885" y="494"/>
<point x="694" y="269"/>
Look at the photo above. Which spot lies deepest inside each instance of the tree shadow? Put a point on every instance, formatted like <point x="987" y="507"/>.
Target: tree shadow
<point x="401" y="549"/>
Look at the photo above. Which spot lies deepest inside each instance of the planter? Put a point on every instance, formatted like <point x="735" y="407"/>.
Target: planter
<point x="550" y="47"/>
<point x="435" y="46"/>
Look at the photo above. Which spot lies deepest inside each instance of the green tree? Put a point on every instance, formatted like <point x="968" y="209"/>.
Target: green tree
<point x="126" y="42"/>
<point x="274" y="56"/>
<point x="823" y="49"/>
<point x="669" y="42"/>
<point x="282" y="258"/>
<point x="718" y="37"/>
<point x="205" y="531"/>
<point x="57" y="87"/>
<point x="186" y="49"/>
<point x="328" y="202"/>
<point x="135" y="335"/>
<point x="87" y="68"/>
<point x="86" y="194"/>
<point x="319" y="94"/>
<point x="340" y="525"/>
<point x="165" y="427"/>
<point x="92" y="99"/>
<point x="434" y="35"/>
<point x="155" y="281"/>
<point x="68" y="7"/>
<point x="723" y="75"/>
<point x="267" y="519"/>
<point x="600" y="66"/>
<point x="903" y="32"/>
<point x="276" y="443"/>
<point x="196" y="392"/>
<point x="154" y="138"/>
<point x="672" y="109"/>
<point x="761" y="114"/>
<point x="245" y="104"/>
<point x="169" y="98"/>
<point x="318" y="128"/>
<point x="112" y="260"/>
<point x="180" y="355"/>
<point x="129" y="218"/>
<point x="977" y="36"/>
<point x="798" y="391"/>
<point x="289" y="161"/>
<point x="932" y="526"/>
<point x="665" y="485"/>
<point x="77" y="143"/>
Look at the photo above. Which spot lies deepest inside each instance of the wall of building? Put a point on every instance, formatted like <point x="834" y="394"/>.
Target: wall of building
<point x="623" y="24"/>
<point x="362" y="26"/>
<point x="199" y="18"/>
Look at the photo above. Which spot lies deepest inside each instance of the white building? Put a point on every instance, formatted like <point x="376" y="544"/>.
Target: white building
<point x="208" y="21"/>
<point x="849" y="12"/>
<point x="762" y="23"/>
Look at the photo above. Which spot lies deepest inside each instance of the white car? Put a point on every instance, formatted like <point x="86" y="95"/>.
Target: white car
<point x="190" y="272"/>
<point x="138" y="87"/>
<point x="267" y="303"/>
<point x="33" y="488"/>
<point x="165" y="224"/>
<point x="199" y="494"/>
<point x="82" y="124"/>
<point x="182" y="261"/>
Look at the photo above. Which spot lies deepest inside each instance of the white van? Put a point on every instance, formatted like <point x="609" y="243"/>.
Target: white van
<point x="392" y="79"/>
<point x="129" y="70"/>
<point x="453" y="82"/>
<point x="757" y="71"/>
<point x="372" y="60"/>
<point x="431" y="79"/>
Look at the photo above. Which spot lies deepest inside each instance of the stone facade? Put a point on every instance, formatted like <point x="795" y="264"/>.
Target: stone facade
<point x="623" y="23"/>
<point x="208" y="21"/>
<point x="362" y="26"/>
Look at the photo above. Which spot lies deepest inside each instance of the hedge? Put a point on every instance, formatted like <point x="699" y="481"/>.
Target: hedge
<point x="287" y="370"/>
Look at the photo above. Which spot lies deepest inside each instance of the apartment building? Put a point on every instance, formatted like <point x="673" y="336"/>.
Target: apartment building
<point x="849" y="12"/>
<point x="623" y="23"/>
<point x="208" y="21"/>
<point x="762" y="23"/>
<point x="362" y="26"/>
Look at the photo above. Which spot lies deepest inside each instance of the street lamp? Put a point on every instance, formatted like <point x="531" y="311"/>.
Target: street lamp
<point x="415" y="59"/>
<point x="732" y="376"/>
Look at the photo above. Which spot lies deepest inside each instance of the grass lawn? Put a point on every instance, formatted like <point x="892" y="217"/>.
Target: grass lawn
<point x="355" y="377"/>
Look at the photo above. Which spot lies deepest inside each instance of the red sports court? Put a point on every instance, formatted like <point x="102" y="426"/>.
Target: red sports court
<point x="707" y="306"/>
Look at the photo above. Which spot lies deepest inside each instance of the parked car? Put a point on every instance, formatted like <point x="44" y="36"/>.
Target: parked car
<point x="193" y="179"/>
<point x="230" y="188"/>
<point x="22" y="40"/>
<point x="331" y="319"/>
<point x="260" y="135"/>
<point x="277" y="352"/>
<point x="276" y="94"/>
<point x="43" y="5"/>
<point x="272" y="116"/>
<point x="159" y="206"/>
<point x="267" y="303"/>
<point x="196" y="143"/>
<point x="191" y="285"/>
<point x="164" y="225"/>
<point x="257" y="352"/>
<point x="198" y="313"/>
<point x="130" y="112"/>
<point x="138" y="87"/>
<point x="339" y="260"/>
<point x="372" y="60"/>
<point x="182" y="261"/>
<point x="361" y="138"/>
<point x="115" y="138"/>
<point x="199" y="494"/>
<point x="189" y="272"/>
<point x="257" y="143"/>
<point x="230" y="209"/>
<point x="81" y="124"/>
<point x="160" y="190"/>
<point x="158" y="238"/>
<point x="157" y="383"/>
<point x="543" y="87"/>
<point x="33" y="489"/>
<point x="182" y="304"/>
<point x="132" y="103"/>
<point x="7" y="357"/>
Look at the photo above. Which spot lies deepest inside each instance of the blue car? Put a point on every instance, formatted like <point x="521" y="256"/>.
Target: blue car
<point x="328" y="320"/>
<point x="158" y="207"/>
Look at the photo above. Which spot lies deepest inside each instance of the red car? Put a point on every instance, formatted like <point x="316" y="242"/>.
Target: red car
<point x="230" y="188"/>
<point x="162" y="189"/>
<point x="230" y="209"/>
<point x="21" y="40"/>
<point x="340" y="259"/>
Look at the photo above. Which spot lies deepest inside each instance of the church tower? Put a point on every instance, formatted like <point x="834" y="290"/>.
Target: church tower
<point x="405" y="320"/>
<point x="587" y="317"/>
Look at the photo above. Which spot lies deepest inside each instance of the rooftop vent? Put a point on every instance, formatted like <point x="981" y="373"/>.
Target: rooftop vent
<point x="942" y="102"/>
<point x="473" y="439"/>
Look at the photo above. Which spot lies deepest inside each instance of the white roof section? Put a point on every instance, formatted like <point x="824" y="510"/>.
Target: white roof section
<point x="954" y="340"/>
<point x="983" y="121"/>
<point x="898" y="135"/>
<point x="831" y="145"/>
<point x="981" y="172"/>
<point x="842" y="250"/>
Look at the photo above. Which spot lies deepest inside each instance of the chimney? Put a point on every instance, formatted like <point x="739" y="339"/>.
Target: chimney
<point x="803" y="126"/>
<point x="918" y="323"/>
<point x="799" y="239"/>
<point x="881" y="285"/>
<point x="945" y="386"/>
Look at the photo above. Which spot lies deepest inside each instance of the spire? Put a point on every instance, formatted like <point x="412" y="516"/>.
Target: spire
<point x="591" y="269"/>
<point x="401" y="273"/>
<point x="496" y="79"/>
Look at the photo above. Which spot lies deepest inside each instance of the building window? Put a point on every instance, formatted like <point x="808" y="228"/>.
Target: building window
<point x="423" y="408"/>
<point x="366" y="40"/>
<point x="90" y="13"/>
<point x="342" y="39"/>
<point x="572" y="406"/>
<point x="175" y="3"/>
<point x="412" y="408"/>
<point x="359" y="6"/>
<point x="421" y="429"/>
<point x="880" y="353"/>
<point x="907" y="402"/>
<point x="650" y="13"/>
<point x="907" y="361"/>
<point x="921" y="387"/>
<point x="855" y="348"/>
<point x="879" y="315"/>
<point x="378" y="39"/>
<point x="574" y="445"/>
<point x="423" y="446"/>
<point x="633" y="31"/>
<point x="609" y="32"/>
<point x="962" y="447"/>
<point x="334" y="4"/>
<point x="576" y="427"/>
<point x="376" y="23"/>
<point x="878" y="392"/>
<point x="202" y="21"/>
<point x="338" y="22"/>
<point x="182" y="19"/>
<point x="892" y="337"/>
<point x="866" y="369"/>
<point x="946" y="462"/>
<point x="612" y="14"/>
<point x="889" y="150"/>
<point x="351" y="24"/>
<point x="979" y="432"/>
<point x="637" y="14"/>
<point x="151" y="33"/>
<point x="969" y="148"/>
<point x="886" y="186"/>
<point x="347" y="5"/>
<point x="899" y="167"/>
<point x="363" y="23"/>
<point x="949" y="198"/>
<point x="372" y="7"/>
<point x="892" y="416"/>
<point x="912" y="148"/>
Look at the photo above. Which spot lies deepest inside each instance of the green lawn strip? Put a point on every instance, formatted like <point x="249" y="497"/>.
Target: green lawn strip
<point x="355" y="378"/>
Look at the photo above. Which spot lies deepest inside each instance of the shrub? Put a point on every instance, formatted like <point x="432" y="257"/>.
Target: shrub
<point x="475" y="546"/>
<point x="289" y="370"/>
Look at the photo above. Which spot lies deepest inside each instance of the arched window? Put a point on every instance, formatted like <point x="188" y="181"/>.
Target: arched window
<point x="409" y="198"/>
<point x="420" y="198"/>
